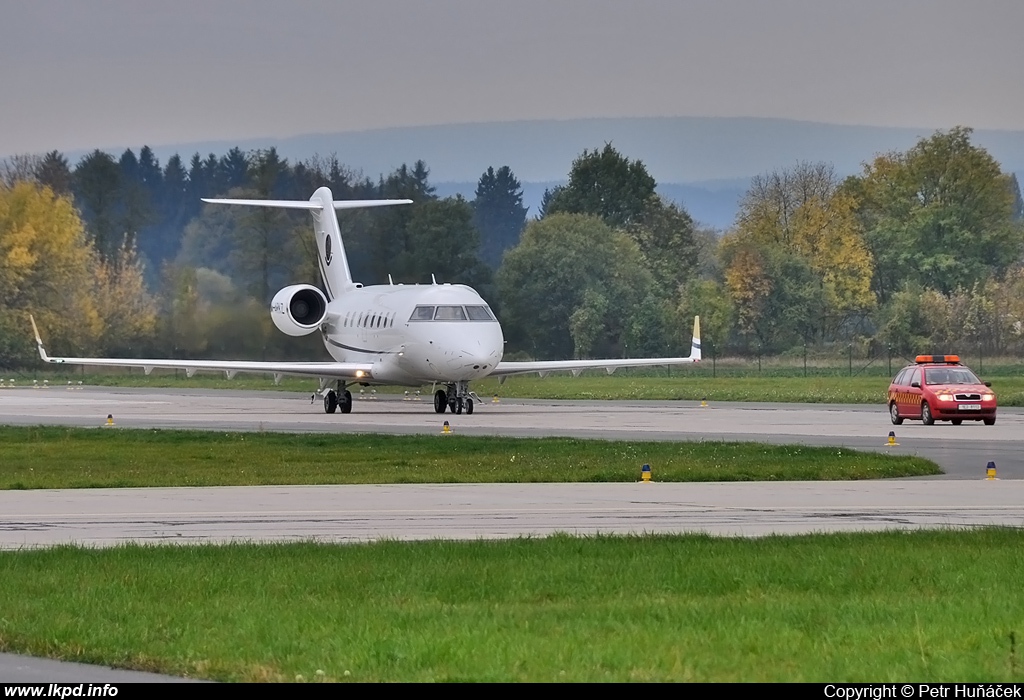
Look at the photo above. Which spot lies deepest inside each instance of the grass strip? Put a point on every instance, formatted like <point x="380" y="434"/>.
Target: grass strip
<point x="59" y="457"/>
<point x="883" y="607"/>
<point x="682" y="385"/>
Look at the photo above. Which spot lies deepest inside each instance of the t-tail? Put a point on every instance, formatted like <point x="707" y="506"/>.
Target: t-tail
<point x="331" y="256"/>
<point x="695" y="343"/>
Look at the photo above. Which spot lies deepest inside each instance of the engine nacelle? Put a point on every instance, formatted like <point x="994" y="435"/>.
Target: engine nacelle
<point x="298" y="309"/>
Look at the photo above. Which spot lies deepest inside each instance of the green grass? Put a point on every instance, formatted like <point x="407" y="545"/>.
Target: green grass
<point x="690" y="383"/>
<point x="56" y="457"/>
<point x="888" y="607"/>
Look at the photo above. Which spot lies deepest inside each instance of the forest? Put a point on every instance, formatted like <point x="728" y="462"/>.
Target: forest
<point x="118" y="256"/>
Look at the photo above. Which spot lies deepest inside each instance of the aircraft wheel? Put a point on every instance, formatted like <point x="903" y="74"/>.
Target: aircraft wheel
<point x="926" y="414"/>
<point x="894" y="414"/>
<point x="469" y="407"/>
<point x="440" y="401"/>
<point x="458" y="406"/>
<point x="330" y="402"/>
<point x="346" y="402"/>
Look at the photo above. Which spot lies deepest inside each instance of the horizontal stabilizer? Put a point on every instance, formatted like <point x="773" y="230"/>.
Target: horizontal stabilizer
<point x="309" y="204"/>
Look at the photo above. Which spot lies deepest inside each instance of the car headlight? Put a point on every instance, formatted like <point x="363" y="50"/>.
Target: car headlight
<point x="945" y="397"/>
<point x="987" y="397"/>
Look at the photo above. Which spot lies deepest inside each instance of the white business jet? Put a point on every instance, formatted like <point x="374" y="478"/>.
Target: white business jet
<point x="405" y="335"/>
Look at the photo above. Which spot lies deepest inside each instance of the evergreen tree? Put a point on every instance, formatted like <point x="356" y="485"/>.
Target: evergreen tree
<point x="96" y="183"/>
<point x="135" y="211"/>
<point x="233" y="169"/>
<point x="498" y="213"/>
<point x="53" y="172"/>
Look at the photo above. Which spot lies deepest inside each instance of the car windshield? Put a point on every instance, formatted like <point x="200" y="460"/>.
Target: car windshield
<point x="950" y="375"/>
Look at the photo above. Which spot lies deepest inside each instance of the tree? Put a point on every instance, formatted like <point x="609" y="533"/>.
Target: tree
<point x="802" y="214"/>
<point x="135" y="208"/>
<point x="150" y="175"/>
<point x="571" y="287"/>
<point x="53" y="172"/>
<point x="96" y="185"/>
<point x="234" y="169"/>
<point x="709" y="300"/>
<point x="604" y="184"/>
<point x="665" y="234"/>
<point x="498" y="213"/>
<point x="1018" y="201"/>
<point x="444" y="242"/>
<point x="46" y="266"/>
<point x="941" y="215"/>
<point x="126" y="308"/>
<point x="381" y="240"/>
<point x="23" y="167"/>
<point x="775" y="293"/>
<point x="260" y="254"/>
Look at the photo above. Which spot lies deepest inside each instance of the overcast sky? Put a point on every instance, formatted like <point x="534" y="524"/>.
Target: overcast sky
<point x="80" y="75"/>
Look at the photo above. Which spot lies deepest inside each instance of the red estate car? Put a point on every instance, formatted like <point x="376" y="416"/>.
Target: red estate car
<point x="938" y="387"/>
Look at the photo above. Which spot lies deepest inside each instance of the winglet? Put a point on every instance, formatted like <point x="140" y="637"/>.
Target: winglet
<point x="695" y="344"/>
<point x="39" y="341"/>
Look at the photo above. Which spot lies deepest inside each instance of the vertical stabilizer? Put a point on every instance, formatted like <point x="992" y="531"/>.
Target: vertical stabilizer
<point x="331" y="258"/>
<point x="695" y="343"/>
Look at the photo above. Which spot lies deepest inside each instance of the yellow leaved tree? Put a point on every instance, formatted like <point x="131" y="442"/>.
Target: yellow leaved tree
<point x="49" y="268"/>
<point x="805" y="223"/>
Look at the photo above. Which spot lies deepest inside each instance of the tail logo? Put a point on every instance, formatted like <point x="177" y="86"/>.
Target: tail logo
<point x="328" y="254"/>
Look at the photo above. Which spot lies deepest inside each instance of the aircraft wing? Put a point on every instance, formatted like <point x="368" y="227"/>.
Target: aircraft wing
<point x="543" y="367"/>
<point x="333" y="370"/>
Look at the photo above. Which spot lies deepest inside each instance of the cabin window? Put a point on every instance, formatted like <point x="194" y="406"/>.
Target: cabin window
<point x="422" y="313"/>
<point x="479" y="313"/>
<point x="450" y="313"/>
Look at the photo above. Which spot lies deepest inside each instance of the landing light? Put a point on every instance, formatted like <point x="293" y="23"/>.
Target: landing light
<point x="360" y="373"/>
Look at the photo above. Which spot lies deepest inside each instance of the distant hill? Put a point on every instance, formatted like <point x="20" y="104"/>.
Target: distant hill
<point x="711" y="204"/>
<point x="704" y="162"/>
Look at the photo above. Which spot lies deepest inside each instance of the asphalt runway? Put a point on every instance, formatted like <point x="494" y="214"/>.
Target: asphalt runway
<point x="100" y="517"/>
<point x="962" y="451"/>
<point x="104" y="517"/>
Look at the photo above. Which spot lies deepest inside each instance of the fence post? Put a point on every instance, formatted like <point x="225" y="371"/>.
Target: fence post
<point x="805" y="358"/>
<point x="888" y="349"/>
<point x="850" y="354"/>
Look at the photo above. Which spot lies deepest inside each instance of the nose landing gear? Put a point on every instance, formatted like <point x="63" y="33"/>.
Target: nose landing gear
<point x="456" y="398"/>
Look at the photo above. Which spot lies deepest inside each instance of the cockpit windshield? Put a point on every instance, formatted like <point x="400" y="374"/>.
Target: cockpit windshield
<point x="479" y="313"/>
<point x="452" y="313"/>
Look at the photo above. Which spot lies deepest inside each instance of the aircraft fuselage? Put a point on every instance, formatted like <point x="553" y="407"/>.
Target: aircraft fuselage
<point x="415" y="334"/>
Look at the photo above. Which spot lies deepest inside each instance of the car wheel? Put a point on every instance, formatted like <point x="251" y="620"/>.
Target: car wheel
<point x="926" y="414"/>
<point x="990" y="421"/>
<point x="956" y="421"/>
<point x="894" y="414"/>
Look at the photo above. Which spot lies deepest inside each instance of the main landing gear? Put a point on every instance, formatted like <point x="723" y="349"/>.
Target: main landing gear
<point x="341" y="398"/>
<point x="456" y="399"/>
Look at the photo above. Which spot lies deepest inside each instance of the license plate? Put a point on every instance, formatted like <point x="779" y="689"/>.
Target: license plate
<point x="970" y="407"/>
